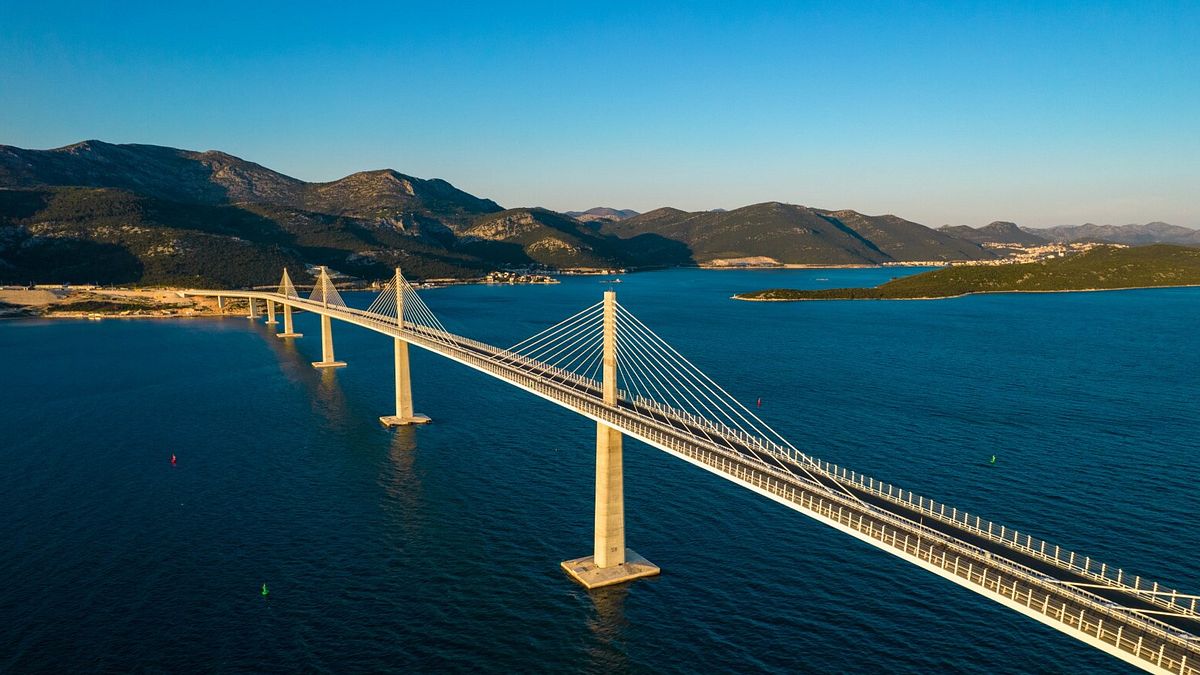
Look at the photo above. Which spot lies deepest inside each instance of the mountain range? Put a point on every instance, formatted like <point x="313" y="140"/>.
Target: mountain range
<point x="99" y="212"/>
<point x="1131" y="235"/>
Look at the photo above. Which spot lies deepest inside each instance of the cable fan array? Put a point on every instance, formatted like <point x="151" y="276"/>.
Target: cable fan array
<point x="324" y="291"/>
<point x="655" y="380"/>
<point x="572" y="348"/>
<point x="417" y="315"/>
<point x="286" y="289"/>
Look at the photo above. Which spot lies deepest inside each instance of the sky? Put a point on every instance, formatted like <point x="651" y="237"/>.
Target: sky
<point x="1041" y="113"/>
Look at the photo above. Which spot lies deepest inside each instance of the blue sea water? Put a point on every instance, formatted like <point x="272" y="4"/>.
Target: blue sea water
<point x="436" y="549"/>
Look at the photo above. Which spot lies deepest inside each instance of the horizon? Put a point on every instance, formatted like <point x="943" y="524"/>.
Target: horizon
<point x="1050" y="115"/>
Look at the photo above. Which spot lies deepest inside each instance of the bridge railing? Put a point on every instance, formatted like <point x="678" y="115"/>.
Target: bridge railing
<point x="1175" y="659"/>
<point x="1149" y="591"/>
<point x="925" y="543"/>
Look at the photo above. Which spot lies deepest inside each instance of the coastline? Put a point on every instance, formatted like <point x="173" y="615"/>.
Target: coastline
<point x="963" y="295"/>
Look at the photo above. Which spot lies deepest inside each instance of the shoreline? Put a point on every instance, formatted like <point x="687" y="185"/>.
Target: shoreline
<point x="963" y="295"/>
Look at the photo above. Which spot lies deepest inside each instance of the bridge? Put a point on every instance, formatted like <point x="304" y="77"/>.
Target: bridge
<point x="605" y="364"/>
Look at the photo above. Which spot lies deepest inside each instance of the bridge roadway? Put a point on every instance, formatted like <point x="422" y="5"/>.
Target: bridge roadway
<point x="1142" y="629"/>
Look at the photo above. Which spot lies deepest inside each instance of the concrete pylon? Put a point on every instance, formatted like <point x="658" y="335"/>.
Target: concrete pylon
<point x="287" y="324"/>
<point x="610" y="562"/>
<point x="404" y="405"/>
<point x="253" y="308"/>
<point x="327" y="360"/>
<point x="271" y="313"/>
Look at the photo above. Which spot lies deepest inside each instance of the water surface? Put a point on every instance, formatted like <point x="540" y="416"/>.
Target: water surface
<point x="437" y="548"/>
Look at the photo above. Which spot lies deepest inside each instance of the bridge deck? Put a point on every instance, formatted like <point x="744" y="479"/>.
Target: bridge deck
<point x="1127" y="621"/>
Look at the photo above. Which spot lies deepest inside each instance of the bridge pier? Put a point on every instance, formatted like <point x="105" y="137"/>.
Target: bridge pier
<point x="327" y="360"/>
<point x="610" y="563"/>
<point x="271" y="313"/>
<point x="404" y="405"/>
<point x="220" y="305"/>
<point x="287" y="324"/>
<point x="253" y="308"/>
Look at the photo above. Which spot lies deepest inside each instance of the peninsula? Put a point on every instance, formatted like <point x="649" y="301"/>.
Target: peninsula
<point x="1101" y="268"/>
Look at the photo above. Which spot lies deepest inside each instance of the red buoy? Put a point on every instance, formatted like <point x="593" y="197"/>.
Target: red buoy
<point x="172" y="460"/>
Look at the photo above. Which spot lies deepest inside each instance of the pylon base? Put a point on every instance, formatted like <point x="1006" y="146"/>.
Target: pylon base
<point x="329" y="364"/>
<point x="584" y="570"/>
<point x="393" y="421"/>
<point x="289" y="335"/>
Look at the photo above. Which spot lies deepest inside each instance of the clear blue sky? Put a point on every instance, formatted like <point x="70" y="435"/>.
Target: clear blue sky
<point x="954" y="112"/>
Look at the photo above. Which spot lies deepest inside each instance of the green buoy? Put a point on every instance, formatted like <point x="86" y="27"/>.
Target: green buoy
<point x="265" y="591"/>
<point x="993" y="460"/>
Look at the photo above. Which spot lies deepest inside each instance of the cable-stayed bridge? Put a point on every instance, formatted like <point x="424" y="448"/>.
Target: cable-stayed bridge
<point x="605" y="364"/>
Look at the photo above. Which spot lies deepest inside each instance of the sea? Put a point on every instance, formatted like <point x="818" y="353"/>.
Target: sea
<point x="294" y="533"/>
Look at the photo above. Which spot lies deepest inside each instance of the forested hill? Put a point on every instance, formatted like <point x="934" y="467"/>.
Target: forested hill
<point x="1101" y="268"/>
<point x="145" y="214"/>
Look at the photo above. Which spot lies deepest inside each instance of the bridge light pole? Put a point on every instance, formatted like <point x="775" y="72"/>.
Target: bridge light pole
<point x="610" y="563"/>
<point x="404" y="405"/>
<point x="327" y="360"/>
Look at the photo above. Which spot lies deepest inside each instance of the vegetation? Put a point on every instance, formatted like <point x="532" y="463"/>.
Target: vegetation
<point x="1105" y="267"/>
<point x="789" y="233"/>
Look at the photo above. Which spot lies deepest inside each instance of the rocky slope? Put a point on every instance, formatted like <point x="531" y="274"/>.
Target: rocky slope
<point x="999" y="232"/>
<point x="95" y="211"/>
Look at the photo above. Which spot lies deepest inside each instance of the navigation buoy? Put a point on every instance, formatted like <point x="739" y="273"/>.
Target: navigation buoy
<point x="265" y="591"/>
<point x="760" y="401"/>
<point x="172" y="460"/>
<point x="993" y="460"/>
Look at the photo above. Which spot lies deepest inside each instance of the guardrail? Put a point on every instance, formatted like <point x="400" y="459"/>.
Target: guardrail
<point x="1028" y="587"/>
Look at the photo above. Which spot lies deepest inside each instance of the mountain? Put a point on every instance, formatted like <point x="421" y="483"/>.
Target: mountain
<point x="1132" y="235"/>
<point x="788" y="233"/>
<point x="96" y="211"/>
<point x="999" y="232"/>
<point x="602" y="213"/>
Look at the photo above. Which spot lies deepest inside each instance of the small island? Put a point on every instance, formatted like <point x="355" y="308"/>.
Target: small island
<point x="1099" y="269"/>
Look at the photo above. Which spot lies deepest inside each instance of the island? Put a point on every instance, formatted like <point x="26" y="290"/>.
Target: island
<point x="1098" y="269"/>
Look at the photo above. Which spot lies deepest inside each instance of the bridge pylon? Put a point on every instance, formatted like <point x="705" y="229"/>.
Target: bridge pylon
<point x="404" y="405"/>
<point x="287" y="290"/>
<point x="611" y="562"/>
<point x="324" y="291"/>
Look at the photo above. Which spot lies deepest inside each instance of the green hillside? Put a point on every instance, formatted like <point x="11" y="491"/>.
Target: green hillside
<point x="1101" y="268"/>
<point x="792" y="234"/>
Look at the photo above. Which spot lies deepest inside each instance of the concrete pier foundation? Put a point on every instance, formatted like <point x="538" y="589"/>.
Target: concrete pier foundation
<point x="327" y="360"/>
<point x="271" y="313"/>
<point x="610" y="562"/>
<point x="287" y="324"/>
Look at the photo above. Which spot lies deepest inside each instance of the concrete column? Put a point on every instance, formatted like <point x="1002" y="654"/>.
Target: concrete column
<point x="220" y="305"/>
<point x="287" y="324"/>
<point x="271" y="313"/>
<point x="327" y="360"/>
<point x="609" y="548"/>
<point x="253" y="308"/>
<point x="610" y="562"/>
<point x="404" y="406"/>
